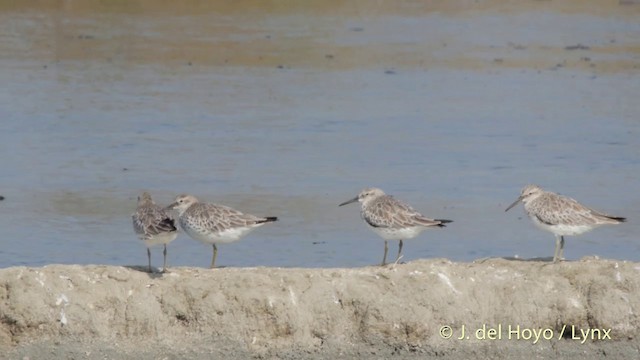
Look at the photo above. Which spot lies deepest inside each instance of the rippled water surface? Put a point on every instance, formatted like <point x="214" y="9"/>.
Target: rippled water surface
<point x="289" y="110"/>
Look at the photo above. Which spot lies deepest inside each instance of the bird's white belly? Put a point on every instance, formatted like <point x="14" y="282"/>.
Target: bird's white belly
<point x="217" y="237"/>
<point x="398" y="234"/>
<point x="163" y="238"/>
<point x="562" y="229"/>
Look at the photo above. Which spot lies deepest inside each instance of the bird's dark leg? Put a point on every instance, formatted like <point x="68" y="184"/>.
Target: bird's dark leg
<point x="557" y="254"/>
<point x="149" y="257"/>
<point x="164" y="266"/>
<point x="399" y="251"/>
<point x="215" y="255"/>
<point x="384" y="258"/>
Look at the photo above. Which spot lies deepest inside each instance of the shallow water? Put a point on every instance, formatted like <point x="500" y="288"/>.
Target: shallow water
<point x="288" y="111"/>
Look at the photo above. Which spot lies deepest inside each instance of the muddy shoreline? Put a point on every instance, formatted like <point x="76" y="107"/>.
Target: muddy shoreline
<point x="399" y="311"/>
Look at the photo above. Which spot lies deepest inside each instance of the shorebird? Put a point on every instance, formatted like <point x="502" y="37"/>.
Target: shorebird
<point x="153" y="225"/>
<point x="560" y="215"/>
<point x="392" y="219"/>
<point x="213" y="224"/>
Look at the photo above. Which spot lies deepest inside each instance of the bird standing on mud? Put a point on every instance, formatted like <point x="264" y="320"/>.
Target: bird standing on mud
<point x="392" y="219"/>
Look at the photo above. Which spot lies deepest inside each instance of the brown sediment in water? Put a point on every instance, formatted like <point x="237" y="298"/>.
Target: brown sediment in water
<point x="219" y="34"/>
<point x="332" y="7"/>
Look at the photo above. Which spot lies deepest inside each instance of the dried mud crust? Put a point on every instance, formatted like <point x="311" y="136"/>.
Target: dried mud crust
<point x="394" y="311"/>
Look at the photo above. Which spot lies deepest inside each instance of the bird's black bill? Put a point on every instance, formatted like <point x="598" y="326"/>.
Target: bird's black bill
<point x="514" y="204"/>
<point x="349" y="201"/>
<point x="171" y="206"/>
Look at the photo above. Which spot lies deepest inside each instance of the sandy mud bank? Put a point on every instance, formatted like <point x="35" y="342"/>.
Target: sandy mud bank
<point x="506" y="308"/>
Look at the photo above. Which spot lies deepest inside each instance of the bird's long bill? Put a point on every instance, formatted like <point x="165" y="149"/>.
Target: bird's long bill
<point x="514" y="203"/>
<point x="349" y="201"/>
<point x="171" y="206"/>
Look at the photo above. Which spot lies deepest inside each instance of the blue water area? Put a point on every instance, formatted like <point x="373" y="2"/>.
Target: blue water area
<point x="81" y="139"/>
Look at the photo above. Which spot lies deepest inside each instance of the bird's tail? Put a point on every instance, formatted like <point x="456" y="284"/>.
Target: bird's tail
<point x="267" y="219"/>
<point x="443" y="222"/>
<point x="614" y="219"/>
<point x="168" y="224"/>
